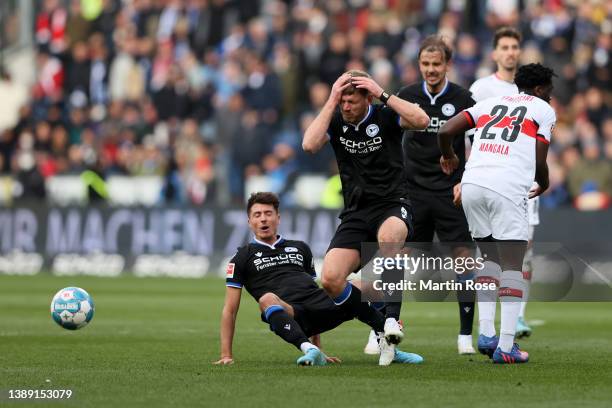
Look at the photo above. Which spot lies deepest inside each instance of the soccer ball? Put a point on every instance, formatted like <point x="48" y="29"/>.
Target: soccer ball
<point x="72" y="308"/>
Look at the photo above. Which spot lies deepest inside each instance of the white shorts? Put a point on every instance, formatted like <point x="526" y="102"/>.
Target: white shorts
<point x="533" y="208"/>
<point x="490" y="213"/>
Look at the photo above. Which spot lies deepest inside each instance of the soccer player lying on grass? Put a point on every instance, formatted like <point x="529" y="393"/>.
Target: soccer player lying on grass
<point x="279" y="274"/>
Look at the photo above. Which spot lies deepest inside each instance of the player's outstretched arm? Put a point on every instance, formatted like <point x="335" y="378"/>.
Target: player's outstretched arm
<point x="411" y="115"/>
<point x="315" y="135"/>
<point x="457" y="125"/>
<point x="541" y="175"/>
<point x="228" y="324"/>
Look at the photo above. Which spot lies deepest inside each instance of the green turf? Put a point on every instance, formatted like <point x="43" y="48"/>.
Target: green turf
<point x="152" y="341"/>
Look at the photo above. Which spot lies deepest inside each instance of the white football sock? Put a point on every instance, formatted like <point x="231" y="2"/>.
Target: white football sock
<point x="511" y="288"/>
<point x="524" y="302"/>
<point x="305" y="346"/>
<point x="487" y="299"/>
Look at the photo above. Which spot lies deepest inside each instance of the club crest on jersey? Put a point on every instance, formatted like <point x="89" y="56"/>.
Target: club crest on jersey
<point x="448" y="109"/>
<point x="372" y="130"/>
<point x="291" y="249"/>
<point x="344" y="128"/>
<point x="229" y="271"/>
<point x="258" y="254"/>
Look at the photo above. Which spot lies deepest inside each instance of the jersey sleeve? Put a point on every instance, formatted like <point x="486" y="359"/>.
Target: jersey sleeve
<point x="468" y="101"/>
<point x="334" y="125"/>
<point x="309" y="261"/>
<point x="235" y="271"/>
<point x="546" y="120"/>
<point x="391" y="120"/>
<point x="404" y="94"/>
<point x="473" y="113"/>
<point x="475" y="89"/>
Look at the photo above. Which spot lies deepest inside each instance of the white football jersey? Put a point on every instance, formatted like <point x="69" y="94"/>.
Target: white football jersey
<point x="503" y="157"/>
<point x="491" y="86"/>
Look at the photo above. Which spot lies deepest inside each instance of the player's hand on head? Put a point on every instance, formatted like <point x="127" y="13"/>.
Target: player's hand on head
<point x="224" y="361"/>
<point x="449" y="165"/>
<point x="369" y="84"/>
<point x="343" y="82"/>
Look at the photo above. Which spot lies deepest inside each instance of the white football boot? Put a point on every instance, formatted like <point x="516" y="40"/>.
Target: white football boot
<point x="393" y="331"/>
<point x="372" y="347"/>
<point x="464" y="344"/>
<point x="387" y="352"/>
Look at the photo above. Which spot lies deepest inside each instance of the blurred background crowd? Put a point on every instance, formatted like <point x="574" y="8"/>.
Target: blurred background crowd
<point x="210" y="94"/>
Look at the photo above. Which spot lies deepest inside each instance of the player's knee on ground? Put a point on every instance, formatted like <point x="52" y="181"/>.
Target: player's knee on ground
<point x="267" y="300"/>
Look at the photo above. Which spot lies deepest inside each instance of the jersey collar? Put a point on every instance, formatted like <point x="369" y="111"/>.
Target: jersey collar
<point x="366" y="117"/>
<point x="279" y="240"/>
<point x="433" y="99"/>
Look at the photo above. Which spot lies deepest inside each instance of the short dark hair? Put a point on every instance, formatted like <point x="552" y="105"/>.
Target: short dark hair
<point x="351" y="89"/>
<point x="436" y="42"/>
<point x="503" y="32"/>
<point x="531" y="75"/>
<point x="262" y="197"/>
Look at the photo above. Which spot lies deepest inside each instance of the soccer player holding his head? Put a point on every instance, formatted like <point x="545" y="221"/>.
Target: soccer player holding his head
<point x="506" y="53"/>
<point x="279" y="274"/>
<point x="366" y="139"/>
<point x="509" y="152"/>
<point x="432" y="193"/>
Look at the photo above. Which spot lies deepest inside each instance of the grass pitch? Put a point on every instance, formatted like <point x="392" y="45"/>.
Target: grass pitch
<point x="152" y="341"/>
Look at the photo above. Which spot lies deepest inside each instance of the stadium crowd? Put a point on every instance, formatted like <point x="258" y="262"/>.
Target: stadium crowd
<point x="208" y="93"/>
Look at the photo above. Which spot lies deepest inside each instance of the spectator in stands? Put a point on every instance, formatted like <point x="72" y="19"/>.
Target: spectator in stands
<point x="172" y="191"/>
<point x="591" y="173"/>
<point x="99" y="69"/>
<point x="127" y="77"/>
<point x="31" y="184"/>
<point x="78" y="75"/>
<point x="118" y="83"/>
<point x="262" y="90"/>
<point x="7" y="147"/>
<point x="50" y="79"/>
<point x="50" y="30"/>
<point x="607" y="138"/>
<point x="78" y="28"/>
